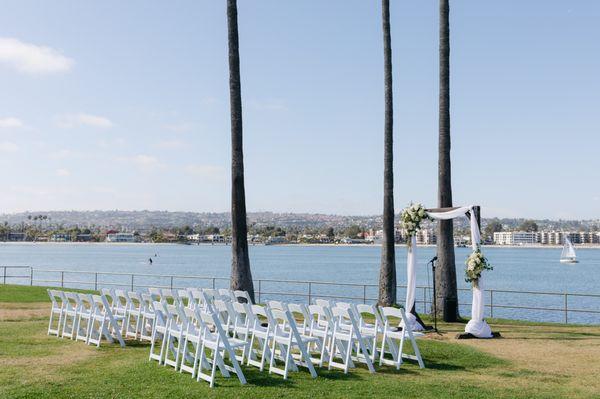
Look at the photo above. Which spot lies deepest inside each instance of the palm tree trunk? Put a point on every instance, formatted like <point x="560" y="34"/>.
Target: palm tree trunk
<point x="447" y="298"/>
<point x="241" y="275"/>
<point x="387" y="274"/>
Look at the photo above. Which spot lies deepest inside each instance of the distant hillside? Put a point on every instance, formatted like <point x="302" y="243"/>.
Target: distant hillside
<point x="145" y="220"/>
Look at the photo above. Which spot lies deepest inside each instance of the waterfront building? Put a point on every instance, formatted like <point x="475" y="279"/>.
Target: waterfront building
<point x="60" y="237"/>
<point x="120" y="237"/>
<point x="426" y="237"/>
<point x="516" y="238"/>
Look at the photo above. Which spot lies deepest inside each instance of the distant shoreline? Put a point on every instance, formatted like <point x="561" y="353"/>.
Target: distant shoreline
<point x="578" y="246"/>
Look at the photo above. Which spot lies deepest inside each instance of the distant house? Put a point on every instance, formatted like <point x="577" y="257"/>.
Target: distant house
<point x="16" y="236"/>
<point x="60" y="237"/>
<point x="120" y="237"/>
<point x="83" y="237"/>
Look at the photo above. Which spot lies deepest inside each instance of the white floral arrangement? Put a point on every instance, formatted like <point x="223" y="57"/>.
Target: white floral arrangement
<point x="476" y="264"/>
<point x="411" y="219"/>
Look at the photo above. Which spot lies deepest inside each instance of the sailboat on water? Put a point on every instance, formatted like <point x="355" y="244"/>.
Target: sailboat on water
<point x="568" y="253"/>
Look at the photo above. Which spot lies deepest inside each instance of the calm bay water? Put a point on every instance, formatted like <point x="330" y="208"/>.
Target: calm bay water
<point x="532" y="269"/>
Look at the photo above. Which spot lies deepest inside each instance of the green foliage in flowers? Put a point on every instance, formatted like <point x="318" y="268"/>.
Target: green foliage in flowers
<point x="476" y="264"/>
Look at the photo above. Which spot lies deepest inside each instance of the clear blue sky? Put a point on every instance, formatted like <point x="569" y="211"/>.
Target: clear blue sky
<point x="124" y="105"/>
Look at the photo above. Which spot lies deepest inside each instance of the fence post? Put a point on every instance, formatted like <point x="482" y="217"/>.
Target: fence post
<point x="171" y="282"/>
<point x="364" y="294"/>
<point x="132" y="282"/>
<point x="31" y="276"/>
<point x="259" y="290"/>
<point x="4" y="274"/>
<point x="213" y="283"/>
<point x="309" y="292"/>
<point x="62" y="279"/>
<point x="425" y="300"/>
<point x="566" y="309"/>
<point x="96" y="281"/>
<point x="492" y="303"/>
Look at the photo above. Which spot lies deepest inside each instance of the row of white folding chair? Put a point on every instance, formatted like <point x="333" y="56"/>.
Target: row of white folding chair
<point x="186" y="335"/>
<point x="83" y="316"/>
<point x="383" y="326"/>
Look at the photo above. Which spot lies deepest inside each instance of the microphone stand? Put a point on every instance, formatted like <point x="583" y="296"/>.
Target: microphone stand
<point x="432" y="263"/>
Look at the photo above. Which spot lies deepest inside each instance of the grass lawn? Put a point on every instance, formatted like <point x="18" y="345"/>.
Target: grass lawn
<point x="531" y="361"/>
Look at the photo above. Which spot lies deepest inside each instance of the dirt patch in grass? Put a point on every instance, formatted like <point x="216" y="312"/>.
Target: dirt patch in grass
<point x="565" y="355"/>
<point x="23" y="311"/>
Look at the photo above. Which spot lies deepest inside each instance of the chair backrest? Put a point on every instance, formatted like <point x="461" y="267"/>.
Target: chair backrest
<point x="226" y="292"/>
<point x="324" y="303"/>
<point x="87" y="303"/>
<point x="156" y="293"/>
<point x="185" y="297"/>
<point x="169" y="295"/>
<point x="344" y="317"/>
<point x="121" y="300"/>
<point x="392" y="316"/>
<point x="101" y="305"/>
<point x="242" y="296"/>
<point x="109" y="294"/>
<point x="243" y="313"/>
<point x="210" y="292"/>
<point x="135" y="300"/>
<point x="299" y="310"/>
<point x="72" y="300"/>
<point x="147" y="302"/>
<point x="56" y="298"/>
<point x="351" y="307"/>
<point x="160" y="313"/>
<point x="321" y="316"/>
<point x="371" y="310"/>
<point x="277" y="305"/>
<point x="280" y="321"/>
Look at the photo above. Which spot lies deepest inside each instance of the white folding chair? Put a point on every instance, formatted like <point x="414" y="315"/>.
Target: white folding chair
<point x="224" y="313"/>
<point x="148" y="317"/>
<point x="86" y="310"/>
<point x="135" y="312"/>
<point x="221" y="345"/>
<point x="261" y="335"/>
<point x="169" y="295"/>
<point x="177" y="326"/>
<point x="347" y="338"/>
<point x="287" y="337"/>
<point x="192" y="343"/>
<point x="104" y="323"/>
<point x="394" y="337"/>
<point x="371" y="328"/>
<point x="71" y="313"/>
<point x="159" y="330"/>
<point x="321" y="326"/>
<point x="57" y="309"/>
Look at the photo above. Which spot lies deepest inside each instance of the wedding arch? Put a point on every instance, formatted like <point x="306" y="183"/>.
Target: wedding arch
<point x="411" y="221"/>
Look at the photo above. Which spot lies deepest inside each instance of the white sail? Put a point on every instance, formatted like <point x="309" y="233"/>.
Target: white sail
<point x="568" y="251"/>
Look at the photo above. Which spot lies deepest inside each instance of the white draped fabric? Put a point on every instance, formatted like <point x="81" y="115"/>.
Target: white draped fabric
<point x="476" y="326"/>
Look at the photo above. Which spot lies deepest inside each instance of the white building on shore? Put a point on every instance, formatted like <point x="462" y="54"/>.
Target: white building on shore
<point x="120" y="237"/>
<point x="516" y="238"/>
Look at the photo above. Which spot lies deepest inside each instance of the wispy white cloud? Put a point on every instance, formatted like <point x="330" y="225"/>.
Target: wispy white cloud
<point x="8" y="146"/>
<point x="178" y="127"/>
<point x="144" y="162"/>
<point x="210" y="171"/>
<point x="170" y="144"/>
<point x="76" y="120"/>
<point x="61" y="154"/>
<point x="11" y="123"/>
<point x="62" y="172"/>
<point x="32" y="59"/>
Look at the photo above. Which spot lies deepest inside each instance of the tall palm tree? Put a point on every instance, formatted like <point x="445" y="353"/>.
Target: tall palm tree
<point x="446" y="297"/>
<point x="387" y="273"/>
<point x="241" y="275"/>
